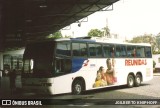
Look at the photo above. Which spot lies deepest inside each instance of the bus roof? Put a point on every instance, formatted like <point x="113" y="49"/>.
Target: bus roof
<point x="93" y="40"/>
<point x="101" y="40"/>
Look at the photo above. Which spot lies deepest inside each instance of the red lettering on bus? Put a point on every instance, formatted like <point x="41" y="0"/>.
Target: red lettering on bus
<point x="145" y="62"/>
<point x="135" y="62"/>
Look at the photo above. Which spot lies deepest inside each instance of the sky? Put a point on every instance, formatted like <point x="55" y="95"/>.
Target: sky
<point x="129" y="18"/>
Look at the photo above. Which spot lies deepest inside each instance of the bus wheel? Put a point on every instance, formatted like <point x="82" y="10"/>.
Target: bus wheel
<point x="130" y="81"/>
<point x="77" y="87"/>
<point x="138" y="80"/>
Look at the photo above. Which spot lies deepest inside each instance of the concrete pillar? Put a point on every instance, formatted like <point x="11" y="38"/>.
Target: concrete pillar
<point x="5" y="86"/>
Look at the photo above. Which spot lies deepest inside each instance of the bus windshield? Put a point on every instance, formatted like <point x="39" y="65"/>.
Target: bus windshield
<point x="38" y="60"/>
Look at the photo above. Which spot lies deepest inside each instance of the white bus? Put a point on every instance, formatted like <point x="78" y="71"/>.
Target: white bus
<point x="76" y="65"/>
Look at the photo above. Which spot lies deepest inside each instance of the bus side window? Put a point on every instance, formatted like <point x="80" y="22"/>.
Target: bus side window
<point x="123" y="48"/>
<point x="79" y="49"/>
<point x="117" y="54"/>
<point x="99" y="50"/>
<point x="131" y="51"/>
<point x="63" y="49"/>
<point x="108" y="50"/>
<point x="148" y="52"/>
<point x="120" y="51"/>
<point x="140" y="52"/>
<point x="75" y="49"/>
<point x="83" y="49"/>
<point x="92" y="50"/>
<point x="62" y="65"/>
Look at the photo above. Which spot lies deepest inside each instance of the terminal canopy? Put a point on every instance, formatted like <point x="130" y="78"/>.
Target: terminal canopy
<point x="24" y="20"/>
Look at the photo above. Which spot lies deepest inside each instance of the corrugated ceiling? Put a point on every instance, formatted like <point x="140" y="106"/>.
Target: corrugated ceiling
<point x="23" y="20"/>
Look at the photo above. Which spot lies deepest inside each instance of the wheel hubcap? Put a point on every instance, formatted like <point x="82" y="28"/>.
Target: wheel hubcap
<point x="131" y="81"/>
<point x="78" y="88"/>
<point x="138" y="80"/>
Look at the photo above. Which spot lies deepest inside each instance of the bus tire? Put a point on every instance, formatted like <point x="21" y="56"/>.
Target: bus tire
<point x="130" y="81"/>
<point x="77" y="87"/>
<point x="138" y="80"/>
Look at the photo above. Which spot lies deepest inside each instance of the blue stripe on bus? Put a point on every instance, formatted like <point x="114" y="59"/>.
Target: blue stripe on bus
<point x="77" y="64"/>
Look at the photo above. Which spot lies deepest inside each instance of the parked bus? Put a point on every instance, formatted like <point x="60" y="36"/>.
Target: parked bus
<point x="76" y="65"/>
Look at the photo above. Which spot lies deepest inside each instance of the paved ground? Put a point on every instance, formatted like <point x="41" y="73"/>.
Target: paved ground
<point x="5" y="88"/>
<point x="148" y="90"/>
